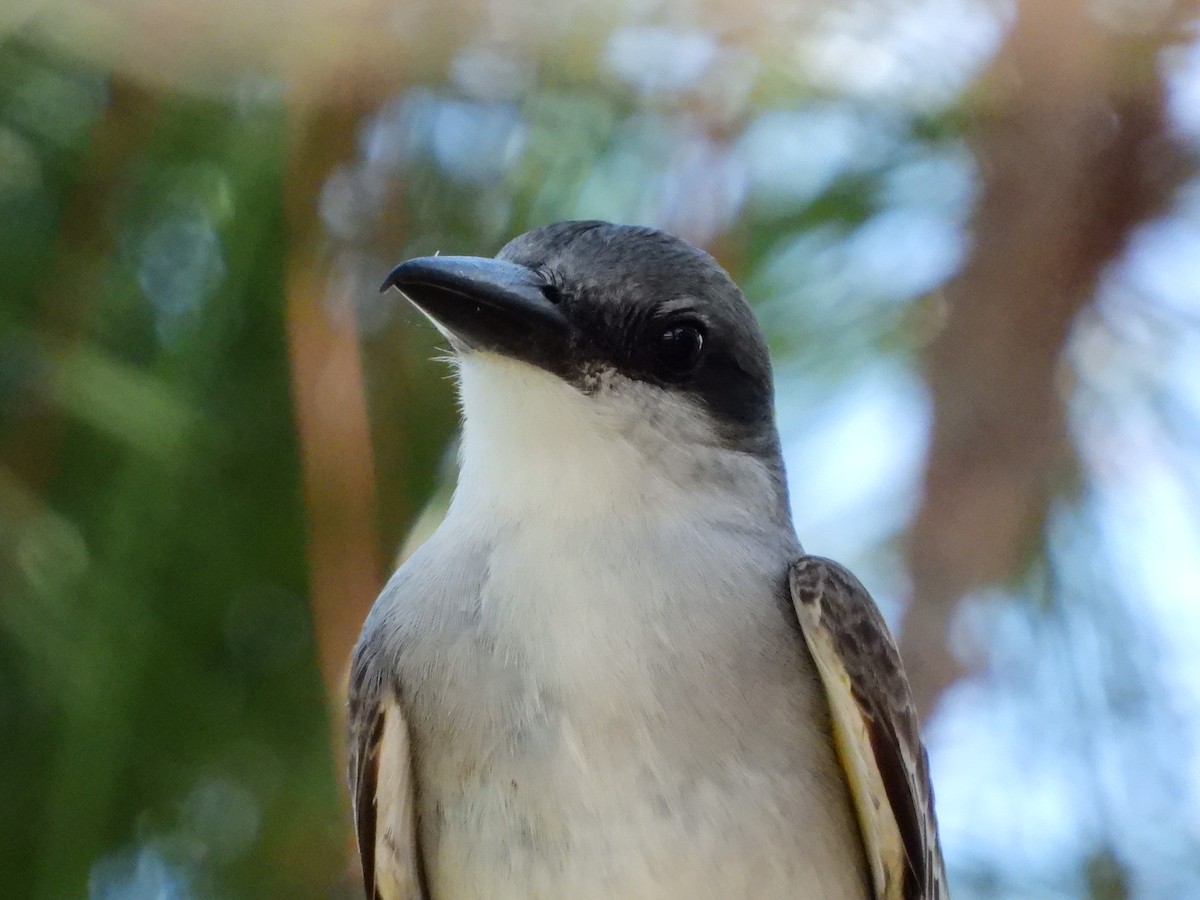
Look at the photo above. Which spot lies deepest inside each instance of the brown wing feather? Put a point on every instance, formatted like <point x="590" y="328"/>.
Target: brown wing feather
<point x="366" y="731"/>
<point x="874" y="716"/>
<point x="382" y="790"/>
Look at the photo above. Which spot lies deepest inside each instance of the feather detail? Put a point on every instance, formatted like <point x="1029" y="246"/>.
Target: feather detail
<point x="383" y="792"/>
<point x="876" y="729"/>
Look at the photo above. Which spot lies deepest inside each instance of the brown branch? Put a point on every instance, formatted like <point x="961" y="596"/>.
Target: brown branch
<point x="1072" y="150"/>
<point x="345" y="559"/>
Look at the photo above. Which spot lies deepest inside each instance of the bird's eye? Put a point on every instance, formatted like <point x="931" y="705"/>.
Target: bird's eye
<point x="679" y="347"/>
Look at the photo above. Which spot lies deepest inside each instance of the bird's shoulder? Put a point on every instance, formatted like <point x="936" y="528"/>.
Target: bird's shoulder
<point x="876" y="727"/>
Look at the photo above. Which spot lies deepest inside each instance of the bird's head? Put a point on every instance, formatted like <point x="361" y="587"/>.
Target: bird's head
<point x="603" y="358"/>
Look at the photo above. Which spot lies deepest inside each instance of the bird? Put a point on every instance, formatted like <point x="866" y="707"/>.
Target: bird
<point x="612" y="671"/>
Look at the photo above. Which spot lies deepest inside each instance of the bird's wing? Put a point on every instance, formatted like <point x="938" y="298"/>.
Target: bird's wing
<point x="876" y="729"/>
<point x="382" y="791"/>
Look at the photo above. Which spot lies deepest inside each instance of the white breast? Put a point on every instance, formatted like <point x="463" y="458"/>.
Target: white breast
<point x="607" y="691"/>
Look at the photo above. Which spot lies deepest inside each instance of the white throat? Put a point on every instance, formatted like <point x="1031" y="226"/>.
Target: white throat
<point x="534" y="444"/>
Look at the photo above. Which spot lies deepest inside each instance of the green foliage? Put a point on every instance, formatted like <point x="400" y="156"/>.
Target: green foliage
<point x="161" y="703"/>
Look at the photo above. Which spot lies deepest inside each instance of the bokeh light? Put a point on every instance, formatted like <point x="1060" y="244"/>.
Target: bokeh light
<point x="215" y="435"/>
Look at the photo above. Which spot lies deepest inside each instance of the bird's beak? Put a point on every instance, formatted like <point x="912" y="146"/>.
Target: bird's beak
<point x="487" y="304"/>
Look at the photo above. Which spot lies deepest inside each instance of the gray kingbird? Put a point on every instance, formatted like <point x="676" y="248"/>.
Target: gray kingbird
<point x="612" y="672"/>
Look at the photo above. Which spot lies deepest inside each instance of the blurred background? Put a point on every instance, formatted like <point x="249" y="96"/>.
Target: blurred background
<point x="971" y="229"/>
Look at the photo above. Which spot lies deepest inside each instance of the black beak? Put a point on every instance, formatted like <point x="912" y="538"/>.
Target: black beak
<point x="488" y="304"/>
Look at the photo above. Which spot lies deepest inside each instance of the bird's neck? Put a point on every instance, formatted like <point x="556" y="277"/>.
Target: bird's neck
<point x="535" y="446"/>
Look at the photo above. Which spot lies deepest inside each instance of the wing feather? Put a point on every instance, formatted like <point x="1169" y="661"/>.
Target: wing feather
<point x="876" y="729"/>
<point x="382" y="790"/>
